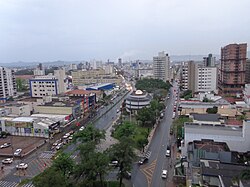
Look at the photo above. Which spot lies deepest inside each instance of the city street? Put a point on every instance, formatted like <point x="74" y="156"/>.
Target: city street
<point x="41" y="159"/>
<point x="150" y="173"/>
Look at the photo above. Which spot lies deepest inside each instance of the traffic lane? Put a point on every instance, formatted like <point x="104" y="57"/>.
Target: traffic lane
<point x="137" y="177"/>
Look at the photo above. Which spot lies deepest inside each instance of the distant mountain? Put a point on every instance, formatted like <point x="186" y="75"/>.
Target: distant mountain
<point x="34" y="64"/>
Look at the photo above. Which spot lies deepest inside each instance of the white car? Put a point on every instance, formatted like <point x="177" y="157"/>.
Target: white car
<point x="71" y="137"/>
<point x="5" y="145"/>
<point x="59" y="146"/>
<point x="7" y="161"/>
<point x="18" y="152"/>
<point x="164" y="174"/>
<point x="82" y="128"/>
<point x="66" y="135"/>
<point x="173" y="115"/>
<point x="22" y="166"/>
<point x="168" y="152"/>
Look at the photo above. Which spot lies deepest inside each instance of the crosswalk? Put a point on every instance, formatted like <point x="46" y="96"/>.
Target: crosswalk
<point x="14" y="184"/>
<point x="47" y="154"/>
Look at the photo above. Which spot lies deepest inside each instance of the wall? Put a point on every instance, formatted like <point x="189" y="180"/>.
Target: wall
<point x="53" y="110"/>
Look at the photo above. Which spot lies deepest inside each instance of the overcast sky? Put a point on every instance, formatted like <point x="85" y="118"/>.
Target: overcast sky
<point x="48" y="30"/>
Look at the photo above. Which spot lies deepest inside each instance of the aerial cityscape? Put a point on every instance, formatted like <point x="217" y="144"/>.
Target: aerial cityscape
<point x="124" y="94"/>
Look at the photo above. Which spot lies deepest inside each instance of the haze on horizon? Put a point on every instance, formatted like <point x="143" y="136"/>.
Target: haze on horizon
<point x="48" y="30"/>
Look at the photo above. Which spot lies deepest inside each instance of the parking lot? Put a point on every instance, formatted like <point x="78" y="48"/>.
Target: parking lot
<point x="27" y="144"/>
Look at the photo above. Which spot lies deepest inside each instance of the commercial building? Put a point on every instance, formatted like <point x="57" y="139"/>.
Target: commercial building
<point x="232" y="69"/>
<point x="8" y="86"/>
<point x="246" y="94"/>
<point x="237" y="138"/>
<point x="94" y="76"/>
<point x="18" y="109"/>
<point x="198" y="78"/>
<point x="161" y="66"/>
<point x="44" y="86"/>
<point x="137" y="100"/>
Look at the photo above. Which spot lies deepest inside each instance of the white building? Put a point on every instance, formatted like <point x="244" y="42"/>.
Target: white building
<point x="44" y="86"/>
<point x="246" y="93"/>
<point x="237" y="138"/>
<point x="161" y="66"/>
<point x="18" y="109"/>
<point x="198" y="78"/>
<point x="7" y="84"/>
<point x="137" y="100"/>
<point x="109" y="69"/>
<point x="60" y="76"/>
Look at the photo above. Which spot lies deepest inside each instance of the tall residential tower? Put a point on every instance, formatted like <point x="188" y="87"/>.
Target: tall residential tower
<point x="232" y="69"/>
<point x="161" y="66"/>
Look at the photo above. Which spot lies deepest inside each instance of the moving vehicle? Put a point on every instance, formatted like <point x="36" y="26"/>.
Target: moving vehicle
<point x="145" y="158"/>
<point x="22" y="166"/>
<point x="7" y="160"/>
<point x="18" y="152"/>
<point x="168" y="152"/>
<point x="164" y="174"/>
<point x="5" y="145"/>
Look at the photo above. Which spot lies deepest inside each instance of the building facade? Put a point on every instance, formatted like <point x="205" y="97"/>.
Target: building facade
<point x="161" y="66"/>
<point x="232" y="69"/>
<point x="247" y="77"/>
<point x="137" y="100"/>
<point x="198" y="78"/>
<point x="209" y="60"/>
<point x="8" y="86"/>
<point x="44" y="86"/>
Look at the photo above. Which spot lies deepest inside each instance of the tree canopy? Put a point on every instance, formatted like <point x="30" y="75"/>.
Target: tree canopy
<point x="150" y="85"/>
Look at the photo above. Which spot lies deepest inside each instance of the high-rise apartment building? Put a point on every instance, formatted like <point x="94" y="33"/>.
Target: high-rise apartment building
<point x="7" y="84"/>
<point x="209" y="61"/>
<point x="198" y="78"/>
<point x="161" y="66"/>
<point x="232" y="69"/>
<point x="39" y="70"/>
<point x="247" y="77"/>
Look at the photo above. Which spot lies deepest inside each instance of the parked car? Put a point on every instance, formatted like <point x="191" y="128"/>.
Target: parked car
<point x="164" y="174"/>
<point x="22" y="166"/>
<point x="66" y="135"/>
<point x="18" y="152"/>
<point x="5" y="145"/>
<point x="143" y="160"/>
<point x="7" y="160"/>
<point x="71" y="137"/>
<point x="113" y="163"/>
<point x="59" y="146"/>
<point x="82" y="128"/>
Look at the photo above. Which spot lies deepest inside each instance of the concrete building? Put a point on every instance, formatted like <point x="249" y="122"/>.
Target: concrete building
<point x="247" y="78"/>
<point x="198" y="78"/>
<point x="18" y="109"/>
<point x="94" y="76"/>
<point x="44" y="86"/>
<point x="137" y="100"/>
<point x="60" y="76"/>
<point x="246" y="94"/>
<point x="209" y="61"/>
<point x="232" y="69"/>
<point x="237" y="138"/>
<point x="8" y="86"/>
<point x="161" y="66"/>
<point x="39" y="70"/>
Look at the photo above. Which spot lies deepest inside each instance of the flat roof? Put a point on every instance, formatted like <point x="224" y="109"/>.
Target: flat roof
<point x="206" y="117"/>
<point x="23" y="119"/>
<point x="100" y="85"/>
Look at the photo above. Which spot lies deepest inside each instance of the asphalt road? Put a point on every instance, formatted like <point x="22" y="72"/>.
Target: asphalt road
<point x="149" y="174"/>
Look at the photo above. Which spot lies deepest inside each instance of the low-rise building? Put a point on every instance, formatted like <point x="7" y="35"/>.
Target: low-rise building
<point x="237" y="138"/>
<point x="137" y="100"/>
<point x="18" y="109"/>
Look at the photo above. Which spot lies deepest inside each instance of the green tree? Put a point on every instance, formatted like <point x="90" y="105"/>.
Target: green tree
<point x="150" y="85"/>
<point x="245" y="174"/>
<point x="124" y="153"/>
<point x="90" y="133"/>
<point x="126" y="129"/>
<point x="50" y="177"/>
<point x="64" y="164"/>
<point x="146" y="116"/>
<point x="142" y="142"/>
<point x="213" y="110"/>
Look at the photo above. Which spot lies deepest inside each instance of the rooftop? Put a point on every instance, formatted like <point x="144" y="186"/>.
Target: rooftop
<point x="211" y="146"/>
<point x="206" y="117"/>
<point x="81" y="92"/>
